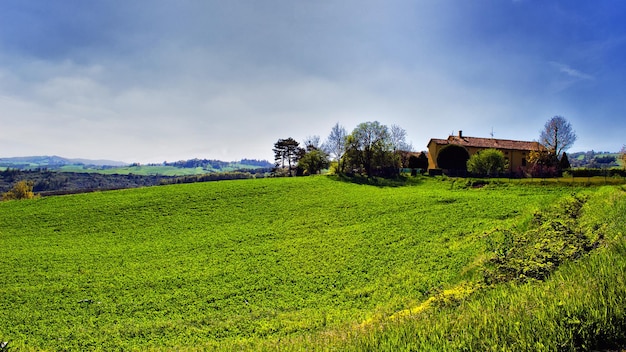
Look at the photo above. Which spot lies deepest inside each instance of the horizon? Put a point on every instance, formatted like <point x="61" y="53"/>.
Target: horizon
<point x="152" y="81"/>
<point x="229" y="161"/>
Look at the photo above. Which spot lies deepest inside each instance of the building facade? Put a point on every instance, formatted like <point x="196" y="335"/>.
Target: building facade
<point x="451" y="155"/>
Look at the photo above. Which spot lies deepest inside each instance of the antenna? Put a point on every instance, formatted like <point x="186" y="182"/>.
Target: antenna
<point x="491" y="132"/>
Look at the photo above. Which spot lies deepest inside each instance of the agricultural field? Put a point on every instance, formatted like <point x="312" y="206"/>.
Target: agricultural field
<point x="150" y="170"/>
<point x="312" y="263"/>
<point x="137" y="170"/>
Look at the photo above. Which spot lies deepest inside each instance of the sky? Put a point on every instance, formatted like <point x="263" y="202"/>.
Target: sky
<point x="166" y="80"/>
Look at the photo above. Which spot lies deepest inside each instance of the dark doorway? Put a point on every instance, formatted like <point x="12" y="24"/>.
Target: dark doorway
<point x="453" y="158"/>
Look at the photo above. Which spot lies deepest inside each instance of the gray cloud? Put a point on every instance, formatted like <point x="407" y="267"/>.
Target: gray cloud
<point x="153" y="81"/>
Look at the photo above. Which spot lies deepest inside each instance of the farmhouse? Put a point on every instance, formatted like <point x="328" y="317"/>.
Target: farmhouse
<point x="451" y="154"/>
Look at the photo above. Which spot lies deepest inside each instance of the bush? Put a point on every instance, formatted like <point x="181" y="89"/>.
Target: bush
<point x="587" y="172"/>
<point x="21" y="190"/>
<point x="489" y="162"/>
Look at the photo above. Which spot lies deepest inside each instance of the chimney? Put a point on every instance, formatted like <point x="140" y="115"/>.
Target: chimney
<point x="460" y="134"/>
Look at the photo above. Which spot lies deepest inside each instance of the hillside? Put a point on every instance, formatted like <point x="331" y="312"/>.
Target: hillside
<point x="56" y="175"/>
<point x="288" y="264"/>
<point x="592" y="159"/>
<point x="32" y="162"/>
<point x="178" y="168"/>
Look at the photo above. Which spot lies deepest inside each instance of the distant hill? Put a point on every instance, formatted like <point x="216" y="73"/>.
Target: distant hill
<point x="58" y="175"/>
<point x="77" y="165"/>
<point x="594" y="160"/>
<point x="29" y="162"/>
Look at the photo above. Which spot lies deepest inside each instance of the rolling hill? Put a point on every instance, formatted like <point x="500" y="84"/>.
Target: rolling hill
<point x="316" y="263"/>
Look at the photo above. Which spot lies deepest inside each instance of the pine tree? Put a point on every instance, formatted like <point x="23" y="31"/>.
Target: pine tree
<point x="564" y="162"/>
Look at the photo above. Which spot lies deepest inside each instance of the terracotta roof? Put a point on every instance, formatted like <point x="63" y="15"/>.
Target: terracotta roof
<point x="488" y="143"/>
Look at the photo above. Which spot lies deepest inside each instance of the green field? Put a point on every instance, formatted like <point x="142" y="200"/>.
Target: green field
<point x="286" y="263"/>
<point x="137" y="170"/>
<point x="147" y="170"/>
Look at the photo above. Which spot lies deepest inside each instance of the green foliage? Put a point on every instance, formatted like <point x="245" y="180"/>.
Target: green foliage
<point x="277" y="264"/>
<point x="21" y="190"/>
<point x="313" y="162"/>
<point x="488" y="162"/>
<point x="369" y="151"/>
<point x="287" y="151"/>
<point x="418" y="162"/>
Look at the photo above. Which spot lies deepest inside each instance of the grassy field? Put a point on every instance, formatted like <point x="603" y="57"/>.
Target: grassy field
<point x="144" y="170"/>
<point x="289" y="264"/>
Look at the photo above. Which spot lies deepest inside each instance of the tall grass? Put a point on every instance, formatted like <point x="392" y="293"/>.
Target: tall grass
<point x="581" y="306"/>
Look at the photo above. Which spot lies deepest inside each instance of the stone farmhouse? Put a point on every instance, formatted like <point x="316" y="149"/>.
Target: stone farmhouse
<point x="451" y="155"/>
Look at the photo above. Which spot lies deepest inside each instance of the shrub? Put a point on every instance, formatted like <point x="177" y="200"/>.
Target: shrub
<point x="489" y="162"/>
<point x="21" y="190"/>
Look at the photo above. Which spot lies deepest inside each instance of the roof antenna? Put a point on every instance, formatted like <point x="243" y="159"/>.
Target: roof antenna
<point x="491" y="132"/>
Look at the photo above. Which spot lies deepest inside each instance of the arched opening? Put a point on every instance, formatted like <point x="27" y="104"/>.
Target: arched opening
<point x="453" y="158"/>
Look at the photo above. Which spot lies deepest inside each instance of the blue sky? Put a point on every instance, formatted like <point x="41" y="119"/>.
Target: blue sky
<point x="148" y="81"/>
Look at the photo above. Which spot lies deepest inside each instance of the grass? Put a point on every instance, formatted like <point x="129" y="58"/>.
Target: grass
<point x="149" y="170"/>
<point x="292" y="263"/>
<point x="143" y="170"/>
<point x="581" y="306"/>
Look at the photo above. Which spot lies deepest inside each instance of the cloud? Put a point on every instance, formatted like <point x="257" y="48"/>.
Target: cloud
<point x="140" y="81"/>
<point x="571" y="72"/>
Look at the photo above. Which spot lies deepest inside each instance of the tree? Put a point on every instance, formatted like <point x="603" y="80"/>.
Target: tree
<point x="557" y="135"/>
<point x="623" y="156"/>
<point x="418" y="162"/>
<point x="488" y="162"/>
<point x="542" y="163"/>
<point x="423" y="161"/>
<point x="398" y="139"/>
<point x="287" y="150"/>
<point x="312" y="142"/>
<point x="21" y="190"/>
<point x="313" y="161"/>
<point x="543" y="157"/>
<point x="564" y="162"/>
<point x="369" y="149"/>
<point x="401" y="149"/>
<point x="335" y="144"/>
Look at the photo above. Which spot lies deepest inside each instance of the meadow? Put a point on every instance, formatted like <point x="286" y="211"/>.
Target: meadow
<point x="288" y="264"/>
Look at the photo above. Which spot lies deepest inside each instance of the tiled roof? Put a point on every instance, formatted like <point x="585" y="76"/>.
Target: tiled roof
<point x="488" y="143"/>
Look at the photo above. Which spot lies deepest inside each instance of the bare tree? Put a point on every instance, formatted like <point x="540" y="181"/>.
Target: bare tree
<point x="335" y="144"/>
<point x="557" y="135"/>
<point x="398" y="139"/>
<point x="312" y="142"/>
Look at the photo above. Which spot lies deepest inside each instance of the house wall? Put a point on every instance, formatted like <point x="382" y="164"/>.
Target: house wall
<point x="515" y="158"/>
<point x="433" y="152"/>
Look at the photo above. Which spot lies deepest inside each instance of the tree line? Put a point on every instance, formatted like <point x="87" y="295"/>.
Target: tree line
<point x="371" y="149"/>
<point x="213" y="164"/>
